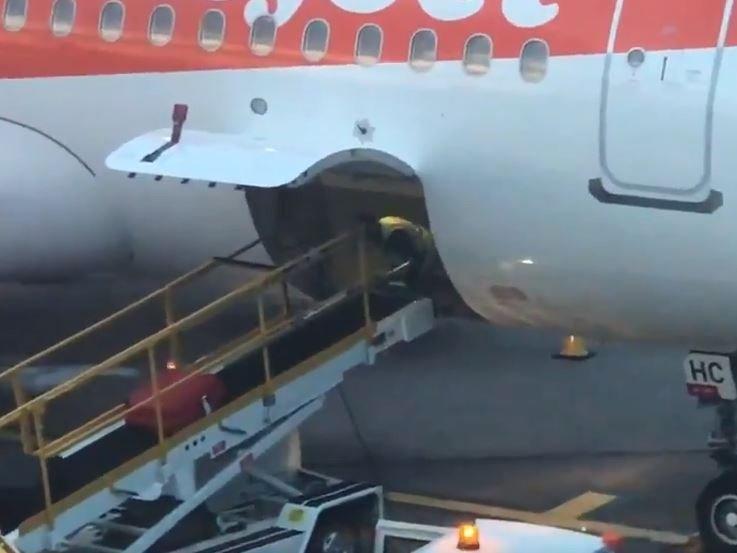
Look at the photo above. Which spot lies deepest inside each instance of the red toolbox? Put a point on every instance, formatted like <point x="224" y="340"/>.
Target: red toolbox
<point x="180" y="406"/>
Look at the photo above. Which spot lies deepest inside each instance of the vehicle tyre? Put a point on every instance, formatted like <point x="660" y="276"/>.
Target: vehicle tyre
<point x="337" y="538"/>
<point x="716" y="514"/>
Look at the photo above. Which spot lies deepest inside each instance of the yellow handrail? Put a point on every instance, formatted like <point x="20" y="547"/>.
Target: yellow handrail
<point x="167" y="289"/>
<point x="73" y="437"/>
<point x="109" y="320"/>
<point x="30" y="412"/>
<point x="181" y="325"/>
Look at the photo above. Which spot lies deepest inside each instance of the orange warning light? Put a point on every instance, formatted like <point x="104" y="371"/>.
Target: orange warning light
<point x="468" y="537"/>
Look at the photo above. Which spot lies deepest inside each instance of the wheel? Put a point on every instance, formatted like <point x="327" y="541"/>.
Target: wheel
<point x="334" y="537"/>
<point x="716" y="514"/>
<point x="339" y="539"/>
<point x="346" y="528"/>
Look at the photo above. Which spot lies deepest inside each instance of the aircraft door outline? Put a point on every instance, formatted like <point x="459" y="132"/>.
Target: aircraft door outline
<point x="637" y="90"/>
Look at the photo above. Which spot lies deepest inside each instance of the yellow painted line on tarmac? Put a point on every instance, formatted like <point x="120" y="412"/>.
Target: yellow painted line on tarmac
<point x="546" y="519"/>
<point x="579" y="506"/>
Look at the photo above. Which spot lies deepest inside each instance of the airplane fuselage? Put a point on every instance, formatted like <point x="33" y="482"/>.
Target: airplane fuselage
<point x="589" y="191"/>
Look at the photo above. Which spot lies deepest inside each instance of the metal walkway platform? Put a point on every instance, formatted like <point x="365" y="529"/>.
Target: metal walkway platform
<point x="275" y="373"/>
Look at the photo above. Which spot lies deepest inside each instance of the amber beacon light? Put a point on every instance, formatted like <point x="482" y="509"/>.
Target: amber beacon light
<point x="468" y="537"/>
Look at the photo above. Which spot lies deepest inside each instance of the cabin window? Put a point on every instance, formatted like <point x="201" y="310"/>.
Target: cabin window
<point x="424" y="50"/>
<point x="62" y="17"/>
<point x="212" y="30"/>
<point x="534" y="61"/>
<point x="368" y="45"/>
<point x="111" y="21"/>
<point x="161" y="25"/>
<point x="263" y="35"/>
<point x="315" y="40"/>
<point x="477" y="56"/>
<point x="14" y="15"/>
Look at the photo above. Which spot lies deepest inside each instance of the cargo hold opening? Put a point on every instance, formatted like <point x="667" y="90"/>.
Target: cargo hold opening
<point x="291" y="220"/>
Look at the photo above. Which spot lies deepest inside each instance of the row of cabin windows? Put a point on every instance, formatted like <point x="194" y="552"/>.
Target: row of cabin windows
<point x="369" y="41"/>
<point x="423" y="48"/>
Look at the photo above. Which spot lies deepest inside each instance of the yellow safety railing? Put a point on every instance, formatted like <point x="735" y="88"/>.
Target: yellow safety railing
<point x="30" y="413"/>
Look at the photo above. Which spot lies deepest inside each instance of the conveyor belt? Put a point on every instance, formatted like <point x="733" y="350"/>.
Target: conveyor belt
<point x="105" y="454"/>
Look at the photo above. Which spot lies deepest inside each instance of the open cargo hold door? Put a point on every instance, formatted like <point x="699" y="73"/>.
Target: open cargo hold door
<point x="237" y="159"/>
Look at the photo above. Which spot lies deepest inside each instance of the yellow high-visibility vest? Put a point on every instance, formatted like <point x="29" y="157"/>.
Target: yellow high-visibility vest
<point x="420" y="236"/>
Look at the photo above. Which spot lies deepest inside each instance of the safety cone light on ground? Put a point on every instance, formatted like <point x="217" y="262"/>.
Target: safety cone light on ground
<point x="574" y="349"/>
